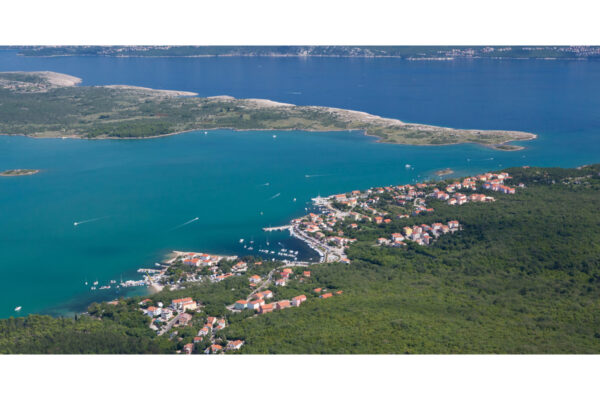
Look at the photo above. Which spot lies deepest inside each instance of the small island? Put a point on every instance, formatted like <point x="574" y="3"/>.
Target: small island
<point x="48" y="104"/>
<point x="19" y="172"/>
<point x="443" y="172"/>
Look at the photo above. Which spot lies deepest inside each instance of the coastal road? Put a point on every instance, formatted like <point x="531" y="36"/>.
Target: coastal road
<point x="327" y="253"/>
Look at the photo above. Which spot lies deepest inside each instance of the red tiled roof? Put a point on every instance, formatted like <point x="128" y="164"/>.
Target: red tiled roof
<point x="184" y="300"/>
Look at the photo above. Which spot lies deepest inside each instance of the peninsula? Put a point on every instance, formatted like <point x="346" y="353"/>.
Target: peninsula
<point x="19" y="172"/>
<point x="49" y="104"/>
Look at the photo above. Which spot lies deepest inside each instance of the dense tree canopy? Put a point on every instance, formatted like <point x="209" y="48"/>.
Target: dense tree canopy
<point x="522" y="276"/>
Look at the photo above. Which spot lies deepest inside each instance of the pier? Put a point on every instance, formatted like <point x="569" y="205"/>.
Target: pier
<point x="277" y="228"/>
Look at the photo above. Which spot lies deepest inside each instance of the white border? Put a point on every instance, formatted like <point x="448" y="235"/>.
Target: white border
<point x="300" y="377"/>
<point x="306" y="22"/>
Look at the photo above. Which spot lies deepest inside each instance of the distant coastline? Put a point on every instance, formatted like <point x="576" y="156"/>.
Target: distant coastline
<point x="410" y="53"/>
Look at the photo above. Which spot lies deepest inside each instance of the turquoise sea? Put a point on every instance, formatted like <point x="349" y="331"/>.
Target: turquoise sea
<point x="137" y="194"/>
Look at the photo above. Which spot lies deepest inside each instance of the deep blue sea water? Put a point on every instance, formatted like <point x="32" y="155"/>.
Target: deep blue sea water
<point x="143" y="189"/>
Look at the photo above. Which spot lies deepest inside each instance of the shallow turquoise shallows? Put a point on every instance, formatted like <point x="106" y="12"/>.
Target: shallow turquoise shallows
<point x="134" y="197"/>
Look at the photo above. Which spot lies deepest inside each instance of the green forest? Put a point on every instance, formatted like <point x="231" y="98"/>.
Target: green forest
<point x="522" y="276"/>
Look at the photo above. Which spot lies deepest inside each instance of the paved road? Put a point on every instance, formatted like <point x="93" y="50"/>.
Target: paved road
<point x="264" y="284"/>
<point x="167" y="327"/>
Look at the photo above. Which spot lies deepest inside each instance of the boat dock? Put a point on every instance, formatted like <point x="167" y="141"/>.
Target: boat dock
<point x="277" y="228"/>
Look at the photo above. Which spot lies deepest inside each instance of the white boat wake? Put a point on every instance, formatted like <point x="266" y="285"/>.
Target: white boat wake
<point x="315" y="175"/>
<point x="87" y="220"/>
<point x="185" y="223"/>
<point x="274" y="196"/>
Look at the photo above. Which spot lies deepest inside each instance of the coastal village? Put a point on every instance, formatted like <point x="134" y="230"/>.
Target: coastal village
<point x="181" y="313"/>
<point x="329" y="230"/>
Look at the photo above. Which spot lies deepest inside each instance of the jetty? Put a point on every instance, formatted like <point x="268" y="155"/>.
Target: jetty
<point x="277" y="228"/>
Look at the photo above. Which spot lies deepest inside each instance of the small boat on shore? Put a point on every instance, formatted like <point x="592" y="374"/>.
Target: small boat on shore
<point x="18" y="308"/>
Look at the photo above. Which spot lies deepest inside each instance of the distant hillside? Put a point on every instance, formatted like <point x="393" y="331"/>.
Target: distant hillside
<point x="408" y="52"/>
